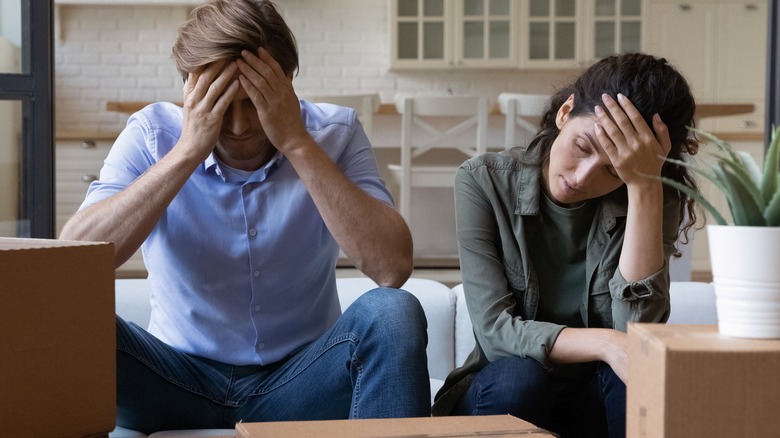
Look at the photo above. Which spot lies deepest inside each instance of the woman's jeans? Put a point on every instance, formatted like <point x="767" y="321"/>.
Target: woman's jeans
<point x="594" y="407"/>
<point x="371" y="364"/>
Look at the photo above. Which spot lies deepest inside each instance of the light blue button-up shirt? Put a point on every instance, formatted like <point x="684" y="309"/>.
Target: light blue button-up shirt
<point x="242" y="273"/>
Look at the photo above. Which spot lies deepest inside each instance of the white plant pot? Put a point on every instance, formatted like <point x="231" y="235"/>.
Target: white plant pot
<point x="746" y="275"/>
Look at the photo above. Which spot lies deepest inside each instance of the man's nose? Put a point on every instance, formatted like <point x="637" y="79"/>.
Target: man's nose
<point x="235" y="120"/>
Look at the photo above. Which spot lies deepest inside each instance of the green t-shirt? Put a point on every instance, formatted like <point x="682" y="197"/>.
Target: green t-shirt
<point x="558" y="255"/>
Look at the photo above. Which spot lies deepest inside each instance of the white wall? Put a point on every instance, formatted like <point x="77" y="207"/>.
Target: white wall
<point x="110" y="53"/>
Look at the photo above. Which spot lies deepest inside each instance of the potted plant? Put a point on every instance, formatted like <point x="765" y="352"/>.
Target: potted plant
<point x="744" y="254"/>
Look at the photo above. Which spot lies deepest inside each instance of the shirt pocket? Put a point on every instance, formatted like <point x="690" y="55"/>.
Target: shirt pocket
<point x="600" y="302"/>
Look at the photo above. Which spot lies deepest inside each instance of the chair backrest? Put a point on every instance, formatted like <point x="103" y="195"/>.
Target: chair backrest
<point x="461" y="122"/>
<point x="517" y="109"/>
<point x="364" y="104"/>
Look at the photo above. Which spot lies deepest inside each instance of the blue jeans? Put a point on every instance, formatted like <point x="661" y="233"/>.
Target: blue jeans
<point x="371" y="364"/>
<point x="595" y="407"/>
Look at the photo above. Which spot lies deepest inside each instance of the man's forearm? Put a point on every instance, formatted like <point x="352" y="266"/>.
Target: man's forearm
<point x="371" y="233"/>
<point x="127" y="218"/>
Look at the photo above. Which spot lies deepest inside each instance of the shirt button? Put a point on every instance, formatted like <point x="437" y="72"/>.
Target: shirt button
<point x="260" y="346"/>
<point x="256" y="273"/>
<point x="252" y="232"/>
<point x="248" y="187"/>
<point x="257" y="308"/>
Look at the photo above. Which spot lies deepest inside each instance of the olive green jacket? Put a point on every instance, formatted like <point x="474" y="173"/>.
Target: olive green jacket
<point x="497" y="197"/>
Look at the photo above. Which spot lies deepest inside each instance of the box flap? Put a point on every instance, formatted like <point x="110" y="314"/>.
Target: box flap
<point x="439" y="427"/>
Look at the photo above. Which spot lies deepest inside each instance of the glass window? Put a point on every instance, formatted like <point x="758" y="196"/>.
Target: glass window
<point x="605" y="39"/>
<point x="539" y="8"/>
<point x="11" y="36"/>
<point x="12" y="220"/>
<point x="564" y="41"/>
<point x="499" y="40"/>
<point x="539" y="41"/>
<point x="605" y="8"/>
<point x="631" y="7"/>
<point x="473" y="39"/>
<point x="407" y="8"/>
<point x="407" y="40"/>
<point x="26" y="120"/>
<point x="433" y="8"/>
<point x="630" y="39"/>
<point x="499" y="7"/>
<point x="433" y="40"/>
<point x="564" y="8"/>
<point x="473" y="8"/>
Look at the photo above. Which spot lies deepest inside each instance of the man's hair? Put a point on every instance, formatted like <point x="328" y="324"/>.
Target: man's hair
<point x="220" y="29"/>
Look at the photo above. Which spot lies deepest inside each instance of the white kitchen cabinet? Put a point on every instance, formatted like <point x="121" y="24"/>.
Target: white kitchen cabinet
<point x="452" y="33"/>
<point x="78" y="163"/>
<point x="720" y="47"/>
<point x="437" y="34"/>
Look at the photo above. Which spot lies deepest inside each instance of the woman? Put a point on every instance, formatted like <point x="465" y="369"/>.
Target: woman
<point x="564" y="242"/>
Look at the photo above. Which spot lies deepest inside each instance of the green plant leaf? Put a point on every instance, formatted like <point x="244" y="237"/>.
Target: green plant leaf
<point x="746" y="183"/>
<point x="771" y="166"/>
<point x="696" y="196"/>
<point x="772" y="211"/>
<point x="743" y="206"/>
<point x="721" y="145"/>
<point x="712" y="178"/>
<point x="751" y="168"/>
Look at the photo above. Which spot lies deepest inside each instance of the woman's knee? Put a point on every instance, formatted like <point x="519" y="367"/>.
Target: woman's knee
<point x="511" y="385"/>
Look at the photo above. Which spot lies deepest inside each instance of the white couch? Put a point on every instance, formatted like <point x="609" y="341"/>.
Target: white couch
<point x="450" y="337"/>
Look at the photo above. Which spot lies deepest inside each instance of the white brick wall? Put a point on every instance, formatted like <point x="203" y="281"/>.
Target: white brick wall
<point x="108" y="53"/>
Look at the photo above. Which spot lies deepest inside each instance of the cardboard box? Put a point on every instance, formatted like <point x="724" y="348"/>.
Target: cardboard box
<point x="690" y="381"/>
<point x="57" y="338"/>
<point x="487" y="426"/>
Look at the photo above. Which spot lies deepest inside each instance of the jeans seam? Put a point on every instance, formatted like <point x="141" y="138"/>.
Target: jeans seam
<point x="177" y="382"/>
<point x="349" y="337"/>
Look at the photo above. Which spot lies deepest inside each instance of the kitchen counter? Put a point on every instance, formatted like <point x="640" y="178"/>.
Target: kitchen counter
<point x="702" y="110"/>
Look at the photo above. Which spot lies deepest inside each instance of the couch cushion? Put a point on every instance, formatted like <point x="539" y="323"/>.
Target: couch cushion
<point x="438" y="303"/>
<point x="692" y="303"/>
<point x="132" y="300"/>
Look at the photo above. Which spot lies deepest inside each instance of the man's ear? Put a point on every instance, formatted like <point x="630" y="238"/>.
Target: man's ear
<point x="564" y="111"/>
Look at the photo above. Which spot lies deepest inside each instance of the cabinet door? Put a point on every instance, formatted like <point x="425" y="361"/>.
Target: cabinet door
<point x="485" y="33"/>
<point x="741" y="60"/>
<point x="421" y="33"/>
<point x="616" y="27"/>
<point x="684" y="34"/>
<point x="550" y="33"/>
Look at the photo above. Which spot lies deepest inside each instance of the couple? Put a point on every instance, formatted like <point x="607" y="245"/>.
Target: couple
<point x="242" y="199"/>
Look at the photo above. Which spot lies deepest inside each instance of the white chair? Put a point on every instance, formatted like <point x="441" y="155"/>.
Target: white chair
<point x="521" y="111"/>
<point x="452" y="122"/>
<point x="364" y="104"/>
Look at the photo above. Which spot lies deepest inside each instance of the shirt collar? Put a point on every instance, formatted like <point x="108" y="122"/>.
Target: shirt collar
<point x="211" y="164"/>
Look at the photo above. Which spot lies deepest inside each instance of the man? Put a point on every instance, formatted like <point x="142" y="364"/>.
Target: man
<point x="241" y="200"/>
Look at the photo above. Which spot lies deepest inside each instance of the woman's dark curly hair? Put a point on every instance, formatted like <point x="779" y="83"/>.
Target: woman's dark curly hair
<point x="653" y="86"/>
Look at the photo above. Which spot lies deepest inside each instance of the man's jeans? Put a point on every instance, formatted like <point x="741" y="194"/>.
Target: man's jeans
<point x="522" y="387"/>
<point x="370" y="364"/>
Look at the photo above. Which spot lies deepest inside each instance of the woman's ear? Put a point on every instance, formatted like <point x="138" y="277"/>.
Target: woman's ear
<point x="564" y="111"/>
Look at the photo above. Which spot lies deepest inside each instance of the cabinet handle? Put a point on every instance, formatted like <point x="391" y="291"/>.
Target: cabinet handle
<point x="89" y="178"/>
<point x="87" y="144"/>
<point x="746" y="123"/>
<point x="751" y="7"/>
<point x="685" y="7"/>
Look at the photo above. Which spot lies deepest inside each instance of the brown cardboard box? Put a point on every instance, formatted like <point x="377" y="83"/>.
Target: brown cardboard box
<point x="690" y="381"/>
<point x="57" y="338"/>
<point x="487" y="426"/>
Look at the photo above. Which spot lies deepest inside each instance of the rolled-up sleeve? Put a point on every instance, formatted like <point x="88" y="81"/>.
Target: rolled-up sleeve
<point x="647" y="300"/>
